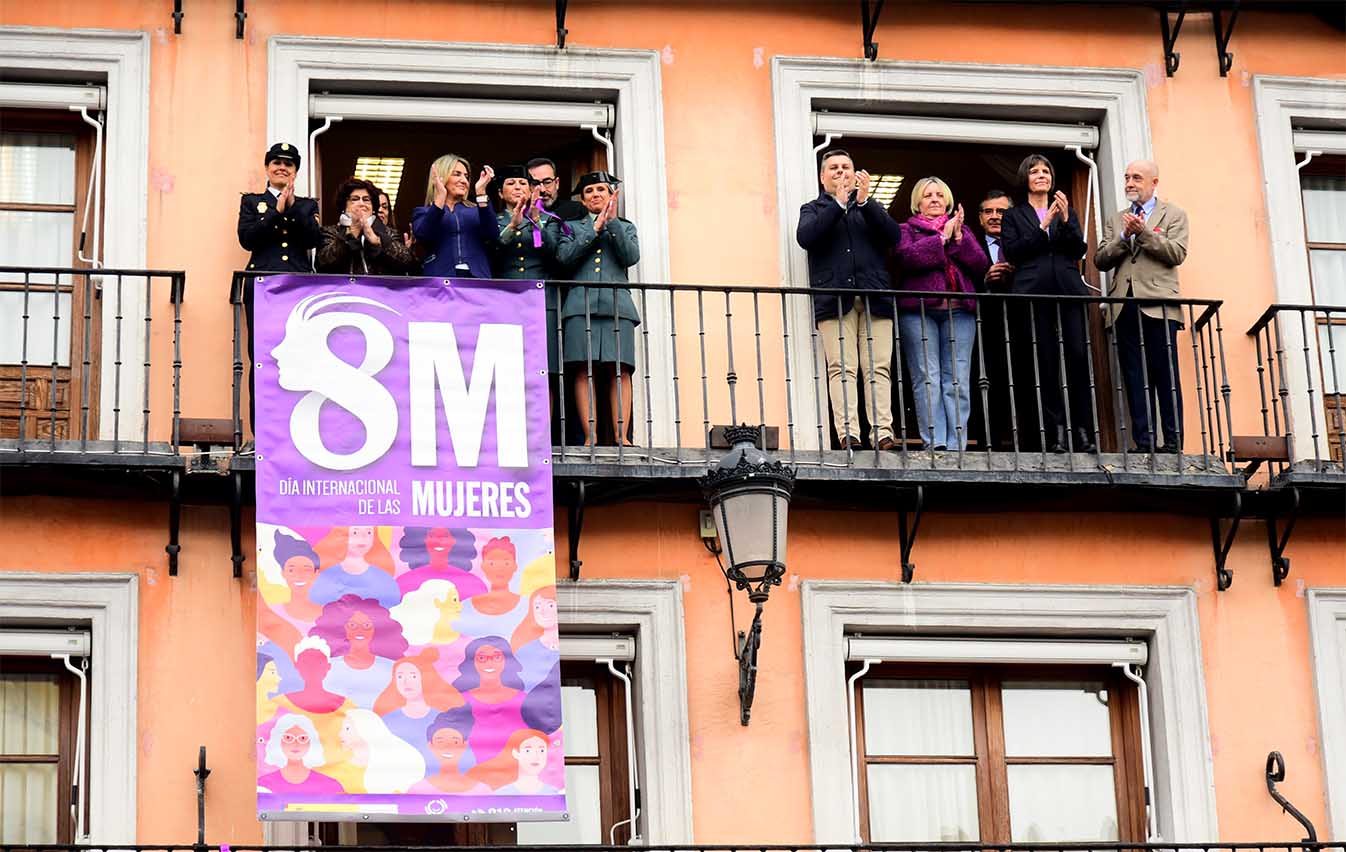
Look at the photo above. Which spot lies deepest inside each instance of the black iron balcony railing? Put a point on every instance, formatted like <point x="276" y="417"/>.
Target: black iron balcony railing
<point x="1041" y="395"/>
<point x="1301" y="378"/>
<point x="86" y="358"/>
<point x="1261" y="846"/>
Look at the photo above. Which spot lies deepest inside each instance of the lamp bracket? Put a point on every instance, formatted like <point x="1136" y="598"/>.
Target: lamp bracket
<point x="1276" y="772"/>
<point x="1169" y="32"/>
<point x="174" y="523"/>
<point x="575" y="516"/>
<point x="1222" y="541"/>
<point x="747" y="666"/>
<point x="202" y="772"/>
<point x="236" y="524"/>
<point x="177" y="17"/>
<point x="869" y="22"/>
<point x="240" y="15"/>
<point x="1222" y="36"/>
<point x="561" y="31"/>
<point x="907" y="531"/>
<point x="1280" y="563"/>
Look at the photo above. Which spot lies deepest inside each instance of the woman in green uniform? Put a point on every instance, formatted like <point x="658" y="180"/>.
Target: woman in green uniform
<point x="599" y="321"/>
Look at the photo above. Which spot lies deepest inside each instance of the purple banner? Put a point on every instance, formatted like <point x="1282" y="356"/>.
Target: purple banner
<point x="408" y="661"/>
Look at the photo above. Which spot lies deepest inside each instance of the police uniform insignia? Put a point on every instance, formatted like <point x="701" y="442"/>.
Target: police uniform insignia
<point x="261" y="207"/>
<point x="285" y="146"/>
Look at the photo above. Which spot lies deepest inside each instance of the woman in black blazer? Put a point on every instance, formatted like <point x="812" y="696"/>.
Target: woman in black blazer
<point x="1042" y="239"/>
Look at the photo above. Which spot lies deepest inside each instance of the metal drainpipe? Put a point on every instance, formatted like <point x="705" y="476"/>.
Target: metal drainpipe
<point x="1308" y="157"/>
<point x="630" y="762"/>
<point x="855" y="758"/>
<point x="1132" y="673"/>
<point x="1092" y="203"/>
<point x="605" y="141"/>
<point x="79" y="774"/>
<point x="93" y="198"/>
<point x="827" y="140"/>
<point x="312" y="146"/>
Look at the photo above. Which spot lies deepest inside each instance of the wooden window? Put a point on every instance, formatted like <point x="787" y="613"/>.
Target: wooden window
<point x="38" y="708"/>
<point x="1323" y="193"/>
<point x="998" y="755"/>
<point x="596" y="781"/>
<point x="45" y="161"/>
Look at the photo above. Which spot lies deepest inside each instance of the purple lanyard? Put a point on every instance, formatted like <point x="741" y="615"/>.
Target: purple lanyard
<point x="537" y="228"/>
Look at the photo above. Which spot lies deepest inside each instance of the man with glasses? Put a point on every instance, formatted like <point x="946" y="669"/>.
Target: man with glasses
<point x="992" y="335"/>
<point x="554" y="214"/>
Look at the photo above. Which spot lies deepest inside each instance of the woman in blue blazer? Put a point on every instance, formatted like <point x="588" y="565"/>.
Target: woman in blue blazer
<point x="456" y="235"/>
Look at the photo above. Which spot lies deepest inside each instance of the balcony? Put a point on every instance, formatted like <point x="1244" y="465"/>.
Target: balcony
<point x="1301" y="377"/>
<point x="90" y="372"/>
<point x="710" y="356"/>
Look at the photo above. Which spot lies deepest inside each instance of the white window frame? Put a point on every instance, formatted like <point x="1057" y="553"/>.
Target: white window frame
<point x="1278" y="103"/>
<point x="651" y="611"/>
<point x="121" y="60"/>
<point x="1166" y="617"/>
<point x="108" y="604"/>
<point x="1114" y="97"/>
<point x="1327" y="622"/>
<point x="297" y="66"/>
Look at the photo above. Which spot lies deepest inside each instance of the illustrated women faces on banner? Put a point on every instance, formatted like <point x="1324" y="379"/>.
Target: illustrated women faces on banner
<point x="370" y="667"/>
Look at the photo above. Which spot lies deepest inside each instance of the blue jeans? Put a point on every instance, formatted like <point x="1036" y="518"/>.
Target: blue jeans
<point x="937" y="347"/>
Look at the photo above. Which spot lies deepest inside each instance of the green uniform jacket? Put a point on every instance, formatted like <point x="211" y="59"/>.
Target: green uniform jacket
<point x="514" y="257"/>
<point x="599" y="257"/>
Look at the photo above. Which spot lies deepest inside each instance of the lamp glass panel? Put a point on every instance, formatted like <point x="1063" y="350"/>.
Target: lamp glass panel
<point x="743" y="521"/>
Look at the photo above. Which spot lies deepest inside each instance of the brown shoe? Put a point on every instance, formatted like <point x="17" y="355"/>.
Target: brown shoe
<point x="850" y="442"/>
<point x="887" y="445"/>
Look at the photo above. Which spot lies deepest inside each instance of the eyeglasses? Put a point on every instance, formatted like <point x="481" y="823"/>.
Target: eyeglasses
<point x="987" y="211"/>
<point x="546" y="181"/>
<point x="291" y="739"/>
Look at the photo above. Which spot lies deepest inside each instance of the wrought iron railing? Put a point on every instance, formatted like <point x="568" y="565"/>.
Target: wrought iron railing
<point x="1301" y="378"/>
<point x="78" y="369"/>
<point x="1044" y="391"/>
<point x="1261" y="846"/>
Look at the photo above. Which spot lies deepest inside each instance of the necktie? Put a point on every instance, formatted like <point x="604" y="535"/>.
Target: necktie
<point x="995" y="249"/>
<point x="1136" y="210"/>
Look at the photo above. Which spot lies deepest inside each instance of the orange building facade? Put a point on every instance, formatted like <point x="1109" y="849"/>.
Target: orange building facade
<point x="1032" y="582"/>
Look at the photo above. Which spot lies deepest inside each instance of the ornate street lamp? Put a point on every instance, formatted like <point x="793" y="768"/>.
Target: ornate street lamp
<point x="749" y="496"/>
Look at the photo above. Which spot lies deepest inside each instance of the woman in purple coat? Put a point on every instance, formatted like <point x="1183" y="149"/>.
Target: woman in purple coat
<point x="938" y="253"/>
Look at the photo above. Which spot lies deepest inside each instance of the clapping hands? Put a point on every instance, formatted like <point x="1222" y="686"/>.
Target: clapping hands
<point x="608" y="213"/>
<point x="286" y="198"/>
<point x="1132" y="225"/>
<point x="953" y="228"/>
<point x="1060" y="209"/>
<point x="484" y="179"/>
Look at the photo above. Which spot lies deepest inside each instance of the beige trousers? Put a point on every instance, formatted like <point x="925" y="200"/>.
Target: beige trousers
<point x="861" y="340"/>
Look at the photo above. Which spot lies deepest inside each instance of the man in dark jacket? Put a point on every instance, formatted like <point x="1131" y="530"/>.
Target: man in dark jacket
<point x="848" y="236"/>
<point x="279" y="228"/>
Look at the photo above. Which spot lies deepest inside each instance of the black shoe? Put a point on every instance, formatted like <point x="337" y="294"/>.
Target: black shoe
<point x="1057" y="442"/>
<point x="1169" y="448"/>
<point x="1084" y="442"/>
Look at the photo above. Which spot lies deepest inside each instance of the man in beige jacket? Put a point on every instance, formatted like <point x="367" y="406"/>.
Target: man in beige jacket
<point x="1144" y="245"/>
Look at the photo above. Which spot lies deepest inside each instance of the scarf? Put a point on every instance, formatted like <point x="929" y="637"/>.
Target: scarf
<point x="937" y="224"/>
<point x="537" y="231"/>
